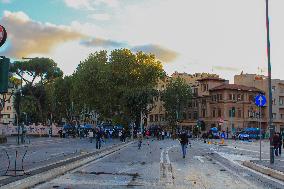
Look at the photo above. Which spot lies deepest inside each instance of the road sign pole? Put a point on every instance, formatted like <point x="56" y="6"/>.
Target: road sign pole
<point x="260" y="132"/>
<point x="271" y="128"/>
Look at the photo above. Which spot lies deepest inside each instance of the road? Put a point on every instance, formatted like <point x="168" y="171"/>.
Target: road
<point x="160" y="165"/>
<point x="44" y="151"/>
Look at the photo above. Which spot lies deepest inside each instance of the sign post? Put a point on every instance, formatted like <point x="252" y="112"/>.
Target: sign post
<point x="260" y="101"/>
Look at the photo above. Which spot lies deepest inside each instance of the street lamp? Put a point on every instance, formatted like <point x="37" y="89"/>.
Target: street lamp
<point x="271" y="127"/>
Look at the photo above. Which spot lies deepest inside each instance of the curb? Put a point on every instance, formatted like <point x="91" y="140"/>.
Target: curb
<point x="44" y="176"/>
<point x="264" y="170"/>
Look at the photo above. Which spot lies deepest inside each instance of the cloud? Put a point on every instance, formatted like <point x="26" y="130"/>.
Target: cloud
<point x="30" y="37"/>
<point x="5" y="1"/>
<point x="100" y="17"/>
<point x="78" y="4"/>
<point x="226" y="68"/>
<point x="91" y="4"/>
<point x="164" y="54"/>
<point x="99" y="42"/>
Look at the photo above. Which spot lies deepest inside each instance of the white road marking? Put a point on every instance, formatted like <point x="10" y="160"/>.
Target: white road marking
<point x="162" y="156"/>
<point x="243" y="149"/>
<point x="199" y="158"/>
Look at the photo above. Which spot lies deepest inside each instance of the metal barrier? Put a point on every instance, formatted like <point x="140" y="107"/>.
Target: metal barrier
<point x="18" y="168"/>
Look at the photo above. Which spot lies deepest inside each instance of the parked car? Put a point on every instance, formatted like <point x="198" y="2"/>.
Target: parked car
<point x="243" y="136"/>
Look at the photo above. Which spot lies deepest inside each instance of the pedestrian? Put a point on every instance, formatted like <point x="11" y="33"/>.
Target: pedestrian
<point x="276" y="142"/>
<point x="120" y="135"/>
<point x="98" y="139"/>
<point x="163" y="134"/>
<point x="140" y="138"/>
<point x="110" y="134"/>
<point x="147" y="134"/>
<point x="123" y="135"/>
<point x="91" y="135"/>
<point x="183" y="138"/>
<point x="280" y="143"/>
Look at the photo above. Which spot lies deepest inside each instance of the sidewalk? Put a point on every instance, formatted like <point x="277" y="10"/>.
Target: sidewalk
<point x="275" y="170"/>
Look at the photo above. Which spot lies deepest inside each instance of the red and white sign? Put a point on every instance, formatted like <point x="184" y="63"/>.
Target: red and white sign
<point x="221" y="120"/>
<point x="3" y="35"/>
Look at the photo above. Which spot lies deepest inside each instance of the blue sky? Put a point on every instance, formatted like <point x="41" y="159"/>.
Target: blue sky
<point x="223" y="36"/>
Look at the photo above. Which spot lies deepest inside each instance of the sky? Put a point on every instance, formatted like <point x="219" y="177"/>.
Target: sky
<point x="224" y="37"/>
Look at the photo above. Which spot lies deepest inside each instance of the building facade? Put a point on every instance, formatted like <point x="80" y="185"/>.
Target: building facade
<point x="261" y="82"/>
<point x="230" y="107"/>
<point x="8" y="114"/>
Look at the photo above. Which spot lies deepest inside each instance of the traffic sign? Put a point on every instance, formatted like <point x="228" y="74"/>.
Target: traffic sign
<point x="260" y="100"/>
<point x="3" y="35"/>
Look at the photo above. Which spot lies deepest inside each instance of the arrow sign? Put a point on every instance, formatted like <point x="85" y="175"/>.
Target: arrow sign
<point x="260" y="100"/>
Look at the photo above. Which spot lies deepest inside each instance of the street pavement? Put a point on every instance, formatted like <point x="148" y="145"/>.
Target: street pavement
<point x="159" y="164"/>
<point x="43" y="151"/>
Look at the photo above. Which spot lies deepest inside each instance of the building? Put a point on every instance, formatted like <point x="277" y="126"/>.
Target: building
<point x="261" y="82"/>
<point x="8" y="114"/>
<point x="157" y="116"/>
<point x="215" y="102"/>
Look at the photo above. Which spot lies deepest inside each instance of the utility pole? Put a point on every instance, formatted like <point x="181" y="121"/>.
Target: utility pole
<point x="271" y="127"/>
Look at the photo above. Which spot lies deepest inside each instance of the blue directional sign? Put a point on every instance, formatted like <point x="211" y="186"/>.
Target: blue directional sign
<point x="260" y="100"/>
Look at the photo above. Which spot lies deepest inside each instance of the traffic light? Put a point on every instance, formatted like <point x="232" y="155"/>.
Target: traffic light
<point x="233" y="111"/>
<point x="4" y="74"/>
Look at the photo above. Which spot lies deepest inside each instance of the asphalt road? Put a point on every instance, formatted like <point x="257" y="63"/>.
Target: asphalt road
<point x="160" y="165"/>
<point x="44" y="151"/>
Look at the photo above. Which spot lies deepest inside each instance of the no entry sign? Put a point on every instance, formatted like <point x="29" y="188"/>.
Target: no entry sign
<point x="3" y="35"/>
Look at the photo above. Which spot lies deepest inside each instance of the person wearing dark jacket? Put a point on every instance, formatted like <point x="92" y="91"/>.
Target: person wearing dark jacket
<point x="280" y="143"/>
<point x="275" y="141"/>
<point x="183" y="138"/>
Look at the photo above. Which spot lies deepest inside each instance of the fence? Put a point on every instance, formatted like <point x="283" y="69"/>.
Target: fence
<point x="35" y="130"/>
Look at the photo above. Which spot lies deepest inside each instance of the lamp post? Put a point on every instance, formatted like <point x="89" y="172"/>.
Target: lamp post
<point x="271" y="127"/>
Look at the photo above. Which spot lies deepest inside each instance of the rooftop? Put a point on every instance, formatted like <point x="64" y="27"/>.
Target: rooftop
<point x="235" y="87"/>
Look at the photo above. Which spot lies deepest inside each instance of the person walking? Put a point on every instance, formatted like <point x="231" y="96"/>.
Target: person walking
<point x="275" y="141"/>
<point x="91" y="135"/>
<point x="280" y="143"/>
<point x="98" y="139"/>
<point x="140" y="138"/>
<point x="183" y="138"/>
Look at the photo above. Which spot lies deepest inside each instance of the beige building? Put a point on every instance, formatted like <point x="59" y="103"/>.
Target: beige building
<point x="8" y="114"/>
<point x="261" y="82"/>
<point x="157" y="116"/>
<point x="212" y="102"/>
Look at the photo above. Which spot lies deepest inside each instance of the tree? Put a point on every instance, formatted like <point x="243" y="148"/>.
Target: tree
<point x="176" y="98"/>
<point x="36" y="73"/>
<point x="119" y="83"/>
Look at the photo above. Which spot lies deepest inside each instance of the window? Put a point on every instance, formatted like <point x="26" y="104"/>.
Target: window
<point x="251" y="99"/>
<point x="189" y="115"/>
<point x="151" y="118"/>
<point x="281" y="101"/>
<point x="282" y="116"/>
<point x="239" y="113"/>
<point x="240" y="97"/>
<point x="219" y="97"/>
<point x="203" y="113"/>
<point x="274" y="115"/>
<point x="274" y="101"/>
<point x="184" y="115"/>
<point x="219" y="112"/>
<point x="234" y="96"/>
<point x="160" y="108"/>
<point x="231" y="114"/>
<point x="156" y="117"/>
<point x="214" y="113"/>
<point x="161" y="117"/>
<point x="273" y="88"/>
<point x="9" y="108"/>
<point x="230" y="96"/>
<point x="195" y="115"/>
